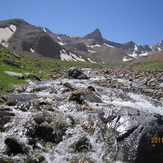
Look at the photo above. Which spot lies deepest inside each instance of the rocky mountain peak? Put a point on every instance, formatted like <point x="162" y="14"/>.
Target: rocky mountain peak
<point x="96" y="36"/>
<point x="17" y="22"/>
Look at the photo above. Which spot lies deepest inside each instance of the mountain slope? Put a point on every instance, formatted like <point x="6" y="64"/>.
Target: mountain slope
<point x="30" y="40"/>
<point x="158" y="56"/>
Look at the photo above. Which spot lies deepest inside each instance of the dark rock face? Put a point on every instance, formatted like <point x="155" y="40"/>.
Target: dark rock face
<point x="83" y="145"/>
<point x="77" y="96"/>
<point x="43" y="45"/>
<point x="31" y="40"/>
<point x="76" y="46"/>
<point x="96" y="35"/>
<point x="14" y="146"/>
<point x="135" y="134"/>
<point x="32" y="76"/>
<point x="46" y="133"/>
<point x="5" y="117"/>
<point x="12" y="63"/>
<point x="76" y="74"/>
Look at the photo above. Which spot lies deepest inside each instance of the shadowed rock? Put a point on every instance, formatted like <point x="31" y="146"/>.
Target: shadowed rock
<point x="14" y="146"/>
<point x="76" y="74"/>
<point x="133" y="131"/>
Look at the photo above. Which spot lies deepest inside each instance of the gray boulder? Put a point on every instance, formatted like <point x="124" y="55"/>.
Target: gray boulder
<point x="19" y="75"/>
<point x="76" y="74"/>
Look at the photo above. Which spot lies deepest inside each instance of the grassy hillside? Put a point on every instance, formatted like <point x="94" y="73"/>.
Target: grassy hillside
<point x="45" y="68"/>
<point x="153" y="65"/>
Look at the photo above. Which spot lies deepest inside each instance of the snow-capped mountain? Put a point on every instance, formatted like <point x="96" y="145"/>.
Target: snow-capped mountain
<point x="27" y="39"/>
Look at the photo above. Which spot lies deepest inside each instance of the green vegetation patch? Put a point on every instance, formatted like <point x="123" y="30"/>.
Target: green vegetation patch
<point x="44" y="68"/>
<point x="153" y="65"/>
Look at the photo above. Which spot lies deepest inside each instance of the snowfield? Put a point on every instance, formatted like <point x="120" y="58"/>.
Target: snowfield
<point x="6" y="33"/>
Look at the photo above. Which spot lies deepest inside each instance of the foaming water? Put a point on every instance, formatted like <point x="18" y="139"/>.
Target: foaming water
<point x="86" y="123"/>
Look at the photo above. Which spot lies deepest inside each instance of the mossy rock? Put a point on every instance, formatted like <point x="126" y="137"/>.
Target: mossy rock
<point x="5" y="160"/>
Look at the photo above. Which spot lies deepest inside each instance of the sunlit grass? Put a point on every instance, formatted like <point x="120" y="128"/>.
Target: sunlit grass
<point x="153" y="65"/>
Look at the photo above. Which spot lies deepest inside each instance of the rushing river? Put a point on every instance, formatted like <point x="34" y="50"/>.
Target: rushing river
<point x="83" y="140"/>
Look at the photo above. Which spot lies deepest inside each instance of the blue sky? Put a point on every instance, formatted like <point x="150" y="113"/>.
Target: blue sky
<point x="120" y="21"/>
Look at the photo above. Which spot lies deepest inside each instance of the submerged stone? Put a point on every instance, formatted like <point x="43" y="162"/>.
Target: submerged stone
<point x="13" y="99"/>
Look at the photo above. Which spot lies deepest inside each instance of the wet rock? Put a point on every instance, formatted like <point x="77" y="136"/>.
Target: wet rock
<point x="82" y="145"/>
<point x="76" y="74"/>
<point x="46" y="133"/>
<point x="5" y="117"/>
<point x="90" y="88"/>
<point x="20" y="89"/>
<point x="133" y="131"/>
<point x="92" y="96"/>
<point x="77" y="96"/>
<point x="68" y="85"/>
<point x="13" y="99"/>
<point x="3" y="99"/>
<point x="39" y="119"/>
<point x="36" y="159"/>
<point x="35" y="88"/>
<point x="81" y="95"/>
<point x="14" y="146"/>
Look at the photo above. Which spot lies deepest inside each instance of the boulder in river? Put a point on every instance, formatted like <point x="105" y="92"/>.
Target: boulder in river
<point x="81" y="145"/>
<point x="14" y="146"/>
<point x="76" y="74"/>
<point x="138" y="135"/>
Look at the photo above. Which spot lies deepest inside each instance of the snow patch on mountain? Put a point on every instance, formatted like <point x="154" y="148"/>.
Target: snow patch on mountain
<point x="151" y="46"/>
<point x="31" y="50"/>
<point x="60" y="41"/>
<point x="6" y="33"/>
<point x="136" y="48"/>
<point x="159" y="49"/>
<point x="91" y="51"/>
<point x="44" y="30"/>
<point x="144" y="54"/>
<point x="89" y="59"/>
<point x="97" y="45"/>
<point x="70" y="57"/>
<point x="126" y="59"/>
<point x="134" y="54"/>
<point x="109" y="45"/>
